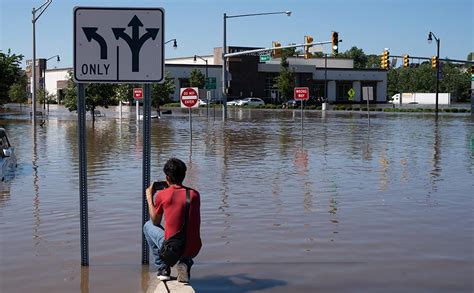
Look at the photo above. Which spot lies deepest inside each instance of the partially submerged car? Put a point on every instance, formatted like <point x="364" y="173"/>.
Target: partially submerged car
<point x="7" y="156"/>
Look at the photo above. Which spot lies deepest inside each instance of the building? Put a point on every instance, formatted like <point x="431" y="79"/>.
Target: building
<point x="325" y="77"/>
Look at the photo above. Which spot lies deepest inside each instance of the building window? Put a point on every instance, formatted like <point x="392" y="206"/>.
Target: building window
<point x="342" y="90"/>
<point x="269" y="85"/>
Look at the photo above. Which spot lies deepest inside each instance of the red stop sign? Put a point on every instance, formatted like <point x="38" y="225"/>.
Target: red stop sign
<point x="138" y="93"/>
<point x="189" y="97"/>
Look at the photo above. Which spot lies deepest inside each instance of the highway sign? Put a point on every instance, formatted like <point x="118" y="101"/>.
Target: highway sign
<point x="211" y="83"/>
<point x="301" y="93"/>
<point x="138" y="93"/>
<point x="118" y="44"/>
<point x="264" y="58"/>
<point x="189" y="97"/>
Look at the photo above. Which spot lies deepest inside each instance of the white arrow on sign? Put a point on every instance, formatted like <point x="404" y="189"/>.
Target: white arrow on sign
<point x="118" y="44"/>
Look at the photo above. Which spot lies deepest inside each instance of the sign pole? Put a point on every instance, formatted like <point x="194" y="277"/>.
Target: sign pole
<point x="190" y="127"/>
<point x="301" y="116"/>
<point x="81" y="125"/>
<point x="137" y="110"/>
<point x="146" y="164"/>
<point x="368" y="109"/>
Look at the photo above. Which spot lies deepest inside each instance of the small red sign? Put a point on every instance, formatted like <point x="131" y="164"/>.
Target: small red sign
<point x="301" y="93"/>
<point x="138" y="93"/>
<point x="189" y="97"/>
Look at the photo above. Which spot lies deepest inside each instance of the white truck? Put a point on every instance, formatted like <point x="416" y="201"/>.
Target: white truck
<point x="421" y="98"/>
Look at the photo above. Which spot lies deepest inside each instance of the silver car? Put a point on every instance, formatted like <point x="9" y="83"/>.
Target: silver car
<point x="7" y="156"/>
<point x="251" y="102"/>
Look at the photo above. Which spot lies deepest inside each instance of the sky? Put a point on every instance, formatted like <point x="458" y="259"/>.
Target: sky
<point x="372" y="25"/>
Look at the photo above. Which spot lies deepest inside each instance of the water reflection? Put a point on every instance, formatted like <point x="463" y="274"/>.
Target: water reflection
<point x="436" y="166"/>
<point x="36" y="194"/>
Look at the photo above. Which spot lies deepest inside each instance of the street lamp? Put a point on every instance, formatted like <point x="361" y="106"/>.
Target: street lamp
<point x="225" y="85"/>
<point x="41" y="10"/>
<point x="438" y="68"/>
<point x="207" y="97"/>
<point x="44" y="80"/>
<point x="175" y="43"/>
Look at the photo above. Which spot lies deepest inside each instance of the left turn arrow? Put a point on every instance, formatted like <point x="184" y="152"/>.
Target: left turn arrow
<point x="91" y="33"/>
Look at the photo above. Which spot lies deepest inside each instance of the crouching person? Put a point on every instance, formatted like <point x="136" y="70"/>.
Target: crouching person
<point x="179" y="240"/>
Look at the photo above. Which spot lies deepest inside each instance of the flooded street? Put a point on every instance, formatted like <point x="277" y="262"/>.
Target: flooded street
<point x="341" y="207"/>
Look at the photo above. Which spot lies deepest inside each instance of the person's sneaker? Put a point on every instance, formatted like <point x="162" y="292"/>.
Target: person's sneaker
<point x="183" y="272"/>
<point x="164" y="274"/>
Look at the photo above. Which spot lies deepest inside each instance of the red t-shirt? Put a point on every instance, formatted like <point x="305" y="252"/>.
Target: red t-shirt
<point x="171" y="203"/>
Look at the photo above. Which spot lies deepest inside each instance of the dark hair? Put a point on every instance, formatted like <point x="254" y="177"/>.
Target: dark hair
<point x="175" y="169"/>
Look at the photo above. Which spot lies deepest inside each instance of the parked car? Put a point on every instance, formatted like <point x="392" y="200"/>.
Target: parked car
<point x="233" y="103"/>
<point x="292" y="103"/>
<point x="251" y="102"/>
<point x="7" y="156"/>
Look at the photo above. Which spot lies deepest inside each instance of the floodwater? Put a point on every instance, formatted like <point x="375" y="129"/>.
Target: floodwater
<point x="339" y="207"/>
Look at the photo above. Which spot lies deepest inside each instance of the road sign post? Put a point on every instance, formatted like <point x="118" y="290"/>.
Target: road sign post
<point x="117" y="45"/>
<point x="302" y="94"/>
<point x="368" y="94"/>
<point x="189" y="98"/>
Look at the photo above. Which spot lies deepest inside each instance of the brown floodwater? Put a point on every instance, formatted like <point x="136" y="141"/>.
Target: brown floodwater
<point x="340" y="207"/>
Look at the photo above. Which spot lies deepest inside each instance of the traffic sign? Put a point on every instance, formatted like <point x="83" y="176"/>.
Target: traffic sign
<point x="118" y="44"/>
<point x="301" y="93"/>
<point x="351" y="94"/>
<point x="138" y="93"/>
<point x="211" y="83"/>
<point x="189" y="97"/>
<point x="264" y="58"/>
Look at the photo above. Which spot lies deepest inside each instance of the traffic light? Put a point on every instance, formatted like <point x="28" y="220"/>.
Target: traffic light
<point x="335" y="43"/>
<point x="406" y="61"/>
<point x="384" y="63"/>
<point x="434" y="62"/>
<point x="307" y="40"/>
<point x="277" y="52"/>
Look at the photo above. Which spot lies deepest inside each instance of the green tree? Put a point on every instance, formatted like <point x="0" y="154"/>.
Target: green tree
<point x="423" y="79"/>
<point x="10" y="73"/>
<point x="97" y="95"/>
<point x="18" y="94"/>
<point x="197" y="79"/>
<point x="358" y="55"/>
<point x="373" y="61"/>
<point x="285" y="81"/>
<point x="160" y="93"/>
<point x="124" y="92"/>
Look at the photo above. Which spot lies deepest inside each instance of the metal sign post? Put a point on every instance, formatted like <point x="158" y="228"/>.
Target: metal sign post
<point x="146" y="165"/>
<point x="81" y="125"/>
<point x="189" y="98"/>
<point x="301" y="93"/>
<point x="368" y="94"/>
<point x="120" y="45"/>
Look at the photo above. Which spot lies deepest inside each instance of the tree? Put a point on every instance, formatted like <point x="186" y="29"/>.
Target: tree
<point x="97" y="95"/>
<point x="197" y="79"/>
<point x="160" y="93"/>
<point x="358" y="55"/>
<point x="10" y="73"/>
<point x="18" y="94"/>
<point x="373" y="61"/>
<point x="124" y="92"/>
<point x="422" y="79"/>
<point x="285" y="81"/>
